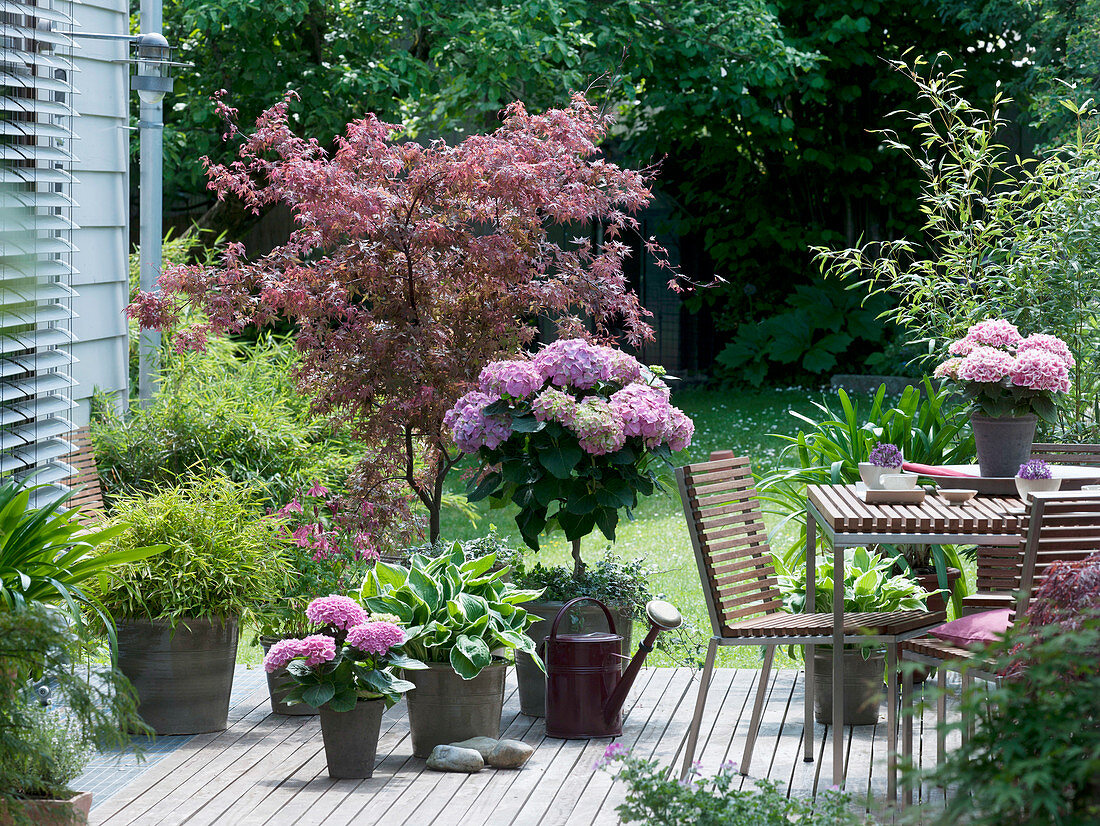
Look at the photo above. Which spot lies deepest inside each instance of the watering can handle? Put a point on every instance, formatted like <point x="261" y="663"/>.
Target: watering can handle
<point x="570" y="604"/>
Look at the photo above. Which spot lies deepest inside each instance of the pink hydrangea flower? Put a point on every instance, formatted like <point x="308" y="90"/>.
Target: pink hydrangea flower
<point x="986" y="365"/>
<point x="518" y="379"/>
<point x="280" y="654"/>
<point x="622" y="367"/>
<point x="1041" y="370"/>
<point x="471" y="428"/>
<point x="679" y="431"/>
<point x="375" y="637"/>
<point x="994" y="332"/>
<point x="1051" y="344"/>
<point x="337" y="611"/>
<point x="948" y="369"/>
<point x="553" y="405"/>
<point x="314" y="649"/>
<point x="598" y="428"/>
<point x="573" y="362"/>
<point x="645" y="412"/>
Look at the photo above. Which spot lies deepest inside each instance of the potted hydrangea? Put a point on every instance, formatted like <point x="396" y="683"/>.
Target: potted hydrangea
<point x="572" y="437"/>
<point x="325" y="557"/>
<point x="884" y="458"/>
<point x="345" y="669"/>
<point x="1011" y="381"/>
<point x="1035" y="475"/>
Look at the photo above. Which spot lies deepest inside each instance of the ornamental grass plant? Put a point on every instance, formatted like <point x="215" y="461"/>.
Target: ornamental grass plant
<point x="224" y="556"/>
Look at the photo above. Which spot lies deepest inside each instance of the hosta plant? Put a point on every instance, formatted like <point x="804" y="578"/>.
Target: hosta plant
<point x="454" y="611"/>
<point x="350" y="657"/>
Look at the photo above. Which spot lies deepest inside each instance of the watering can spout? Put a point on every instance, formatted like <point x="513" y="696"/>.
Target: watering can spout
<point x="662" y="616"/>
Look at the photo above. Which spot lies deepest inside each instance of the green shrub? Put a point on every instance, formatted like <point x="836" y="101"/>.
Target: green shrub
<point x="231" y="407"/>
<point x="223" y="554"/>
<point x="656" y="798"/>
<point x="39" y="751"/>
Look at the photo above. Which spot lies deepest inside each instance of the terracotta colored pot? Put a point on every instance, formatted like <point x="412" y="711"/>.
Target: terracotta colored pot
<point x="46" y="812"/>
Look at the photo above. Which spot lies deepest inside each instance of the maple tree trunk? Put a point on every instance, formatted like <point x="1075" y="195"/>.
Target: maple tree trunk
<point x="578" y="563"/>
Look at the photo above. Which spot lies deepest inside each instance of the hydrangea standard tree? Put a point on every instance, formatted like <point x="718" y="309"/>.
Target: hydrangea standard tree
<point x="571" y="437"/>
<point x="413" y="265"/>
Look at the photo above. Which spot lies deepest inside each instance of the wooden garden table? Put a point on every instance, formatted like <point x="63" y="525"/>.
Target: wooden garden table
<point x="849" y="522"/>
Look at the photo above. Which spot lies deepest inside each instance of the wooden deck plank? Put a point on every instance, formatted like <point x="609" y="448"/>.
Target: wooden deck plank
<point x="268" y="769"/>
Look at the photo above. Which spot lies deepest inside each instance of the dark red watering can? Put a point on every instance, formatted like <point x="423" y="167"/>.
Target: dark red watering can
<point x="584" y="689"/>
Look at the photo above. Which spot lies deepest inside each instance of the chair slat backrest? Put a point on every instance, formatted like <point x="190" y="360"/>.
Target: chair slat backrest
<point x="85" y="481"/>
<point x="730" y="540"/>
<point x="1067" y="454"/>
<point x="1066" y="527"/>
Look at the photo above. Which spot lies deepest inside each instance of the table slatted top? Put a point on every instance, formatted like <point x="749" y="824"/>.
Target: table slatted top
<point x="843" y="511"/>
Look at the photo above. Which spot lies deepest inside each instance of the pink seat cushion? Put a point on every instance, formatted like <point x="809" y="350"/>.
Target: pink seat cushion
<point x="975" y="629"/>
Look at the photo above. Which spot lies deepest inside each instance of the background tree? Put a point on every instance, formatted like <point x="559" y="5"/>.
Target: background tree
<point x="412" y="266"/>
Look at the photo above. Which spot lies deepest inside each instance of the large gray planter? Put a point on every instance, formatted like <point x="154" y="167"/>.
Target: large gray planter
<point x="864" y="689"/>
<point x="351" y="738"/>
<point x="183" y="675"/>
<point x="581" y="618"/>
<point x="275" y="681"/>
<point x="1003" y="443"/>
<point x="444" y="708"/>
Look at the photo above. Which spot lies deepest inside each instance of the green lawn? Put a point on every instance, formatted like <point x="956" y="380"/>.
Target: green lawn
<point x="740" y="420"/>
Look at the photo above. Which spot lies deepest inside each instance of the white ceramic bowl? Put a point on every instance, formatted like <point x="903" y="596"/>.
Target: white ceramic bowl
<point x="899" y="481"/>
<point x="1026" y="487"/>
<point x="957" y="496"/>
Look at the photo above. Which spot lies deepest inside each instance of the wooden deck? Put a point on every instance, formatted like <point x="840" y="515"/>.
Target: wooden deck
<point x="268" y="769"/>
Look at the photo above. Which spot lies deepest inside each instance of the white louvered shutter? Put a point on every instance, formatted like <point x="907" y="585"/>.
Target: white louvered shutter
<point x="36" y="88"/>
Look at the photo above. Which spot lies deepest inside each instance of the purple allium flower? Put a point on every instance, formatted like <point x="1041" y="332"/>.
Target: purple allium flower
<point x="337" y="611"/>
<point x="1035" y="469"/>
<point x="1051" y="344"/>
<point x="1040" y="369"/>
<point x="599" y="429"/>
<point x="315" y="649"/>
<point x="518" y="379"/>
<point x="645" y="412"/>
<point x="471" y="428"/>
<point x="679" y="431"/>
<point x="573" y="362"/>
<point x="986" y="365"/>
<point x="375" y="637"/>
<point x="885" y="455"/>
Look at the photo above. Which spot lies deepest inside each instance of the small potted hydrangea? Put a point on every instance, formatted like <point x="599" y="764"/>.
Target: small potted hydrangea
<point x="1011" y="381"/>
<point x="345" y="669"/>
<point x="884" y="458"/>
<point x="1035" y="475"/>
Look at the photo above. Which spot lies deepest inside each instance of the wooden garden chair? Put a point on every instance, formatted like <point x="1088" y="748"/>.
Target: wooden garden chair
<point x="740" y="585"/>
<point x="1067" y="454"/>
<point x="1058" y="526"/>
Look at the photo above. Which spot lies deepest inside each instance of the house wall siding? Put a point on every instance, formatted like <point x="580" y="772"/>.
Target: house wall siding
<point x="100" y="191"/>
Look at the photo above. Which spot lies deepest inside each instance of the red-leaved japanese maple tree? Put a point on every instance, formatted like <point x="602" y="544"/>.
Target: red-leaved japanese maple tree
<point x="412" y="265"/>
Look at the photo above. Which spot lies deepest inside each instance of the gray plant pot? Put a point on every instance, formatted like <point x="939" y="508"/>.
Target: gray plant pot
<point x="444" y="708"/>
<point x="1003" y="443"/>
<point x="276" y="679"/>
<point x="183" y="676"/>
<point x="584" y="617"/>
<point x="351" y="738"/>
<point x="864" y="690"/>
